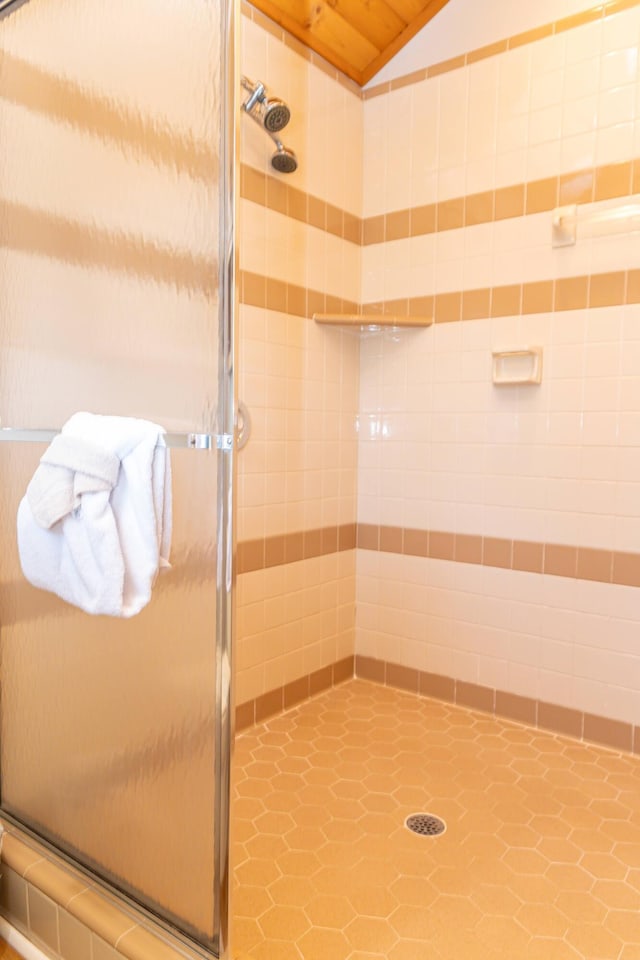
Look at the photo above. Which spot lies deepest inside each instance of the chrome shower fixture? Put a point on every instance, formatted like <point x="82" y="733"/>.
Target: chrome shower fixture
<point x="272" y="114"/>
<point x="284" y="160"/>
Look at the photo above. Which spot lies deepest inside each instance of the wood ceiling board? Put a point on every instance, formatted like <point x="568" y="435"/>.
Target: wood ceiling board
<point x="357" y="36"/>
<point x="331" y="29"/>
<point x="407" y="9"/>
<point x="429" y="12"/>
<point x="374" y="19"/>
<point x="272" y="10"/>
<point x="323" y="24"/>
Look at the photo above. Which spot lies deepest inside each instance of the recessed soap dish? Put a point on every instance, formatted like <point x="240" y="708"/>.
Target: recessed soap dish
<point x="517" y="366"/>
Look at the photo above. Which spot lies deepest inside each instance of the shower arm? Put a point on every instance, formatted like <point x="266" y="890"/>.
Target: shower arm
<point x="249" y="112"/>
<point x="257" y="94"/>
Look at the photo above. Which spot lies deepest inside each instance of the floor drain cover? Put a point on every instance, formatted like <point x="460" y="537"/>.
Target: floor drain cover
<point x="425" y="824"/>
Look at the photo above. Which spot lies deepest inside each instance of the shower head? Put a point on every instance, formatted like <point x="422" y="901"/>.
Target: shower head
<point x="276" y="115"/>
<point x="284" y="160"/>
<point x="273" y="114"/>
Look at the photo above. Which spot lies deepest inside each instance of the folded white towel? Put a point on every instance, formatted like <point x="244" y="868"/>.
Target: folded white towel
<point x="95" y="524"/>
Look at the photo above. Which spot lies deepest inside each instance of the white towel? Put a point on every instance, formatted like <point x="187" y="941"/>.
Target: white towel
<point x="95" y="524"/>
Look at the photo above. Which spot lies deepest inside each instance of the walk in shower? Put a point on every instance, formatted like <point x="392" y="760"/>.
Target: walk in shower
<point x="117" y="273"/>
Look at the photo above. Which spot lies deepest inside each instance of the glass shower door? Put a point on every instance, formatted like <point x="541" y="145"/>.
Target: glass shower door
<point x="116" y="297"/>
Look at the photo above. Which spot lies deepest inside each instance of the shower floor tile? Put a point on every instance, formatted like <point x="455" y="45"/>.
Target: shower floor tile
<point x="540" y="859"/>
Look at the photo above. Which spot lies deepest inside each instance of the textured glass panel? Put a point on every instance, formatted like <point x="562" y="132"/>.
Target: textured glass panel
<point x="109" y="123"/>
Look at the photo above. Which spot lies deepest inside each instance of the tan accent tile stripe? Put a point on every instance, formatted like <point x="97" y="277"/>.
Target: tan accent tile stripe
<point x="599" y="12"/>
<point x="588" y="185"/>
<point x="559" y="560"/>
<point x="277" y="195"/>
<point x="257" y="290"/>
<point x="616" y="288"/>
<point x="69" y="892"/>
<point x="274" y="551"/>
<point x="275" y="701"/>
<point x="540" y="296"/>
<point x="535" y="713"/>
<point x="251" y="13"/>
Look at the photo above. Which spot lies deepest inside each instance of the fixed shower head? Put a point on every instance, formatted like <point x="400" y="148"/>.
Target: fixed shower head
<point x="273" y="113"/>
<point x="276" y="115"/>
<point x="284" y="160"/>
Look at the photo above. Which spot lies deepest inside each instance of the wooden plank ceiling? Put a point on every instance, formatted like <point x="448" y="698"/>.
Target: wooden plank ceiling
<point x="356" y="36"/>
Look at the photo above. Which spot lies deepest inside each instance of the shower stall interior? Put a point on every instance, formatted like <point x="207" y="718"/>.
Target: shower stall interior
<point x="117" y="272"/>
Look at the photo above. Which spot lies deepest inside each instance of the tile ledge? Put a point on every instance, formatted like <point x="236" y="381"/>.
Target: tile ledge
<point x="22" y="857"/>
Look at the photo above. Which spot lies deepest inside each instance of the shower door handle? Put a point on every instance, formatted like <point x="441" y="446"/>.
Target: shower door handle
<point x="243" y="425"/>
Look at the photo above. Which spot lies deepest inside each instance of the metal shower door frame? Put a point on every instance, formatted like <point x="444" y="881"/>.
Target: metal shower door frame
<point x="226" y="426"/>
<point x="226" y="444"/>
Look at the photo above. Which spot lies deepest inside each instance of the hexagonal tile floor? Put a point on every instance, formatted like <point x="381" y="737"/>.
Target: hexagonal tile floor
<point x="540" y="859"/>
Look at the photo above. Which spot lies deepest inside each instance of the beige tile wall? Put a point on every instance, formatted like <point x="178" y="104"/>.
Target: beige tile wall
<point x="459" y="228"/>
<point x="300" y="253"/>
<point x="535" y="713"/>
<point x="293" y="620"/>
<point x="441" y="449"/>
<point x="548" y="18"/>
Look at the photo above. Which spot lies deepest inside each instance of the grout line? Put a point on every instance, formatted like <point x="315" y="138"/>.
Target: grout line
<point x="134" y="926"/>
<point x="31" y="866"/>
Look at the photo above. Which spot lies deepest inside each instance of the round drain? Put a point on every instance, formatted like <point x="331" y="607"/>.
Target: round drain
<point x="425" y="824"/>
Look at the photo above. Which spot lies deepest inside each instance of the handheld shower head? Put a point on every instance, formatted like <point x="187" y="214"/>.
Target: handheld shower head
<point x="284" y="160"/>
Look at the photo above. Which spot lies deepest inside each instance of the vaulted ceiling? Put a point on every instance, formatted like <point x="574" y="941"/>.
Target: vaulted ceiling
<point x="356" y="36"/>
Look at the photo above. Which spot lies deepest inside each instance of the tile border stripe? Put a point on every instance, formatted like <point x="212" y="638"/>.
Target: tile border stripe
<point x="550" y="717"/>
<point x="558" y="560"/>
<point x="277" y="195"/>
<point x="257" y="290"/>
<point x="599" y="12"/>
<point x="260" y="554"/>
<point x="616" y="288"/>
<point x="499" y="703"/>
<point x="589" y="185"/>
<point x="283" y="698"/>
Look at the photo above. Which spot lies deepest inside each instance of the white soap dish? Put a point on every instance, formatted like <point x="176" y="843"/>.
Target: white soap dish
<point x="520" y="365"/>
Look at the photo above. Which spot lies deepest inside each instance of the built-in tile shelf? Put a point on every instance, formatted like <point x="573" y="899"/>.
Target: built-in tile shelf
<point x="371" y="321"/>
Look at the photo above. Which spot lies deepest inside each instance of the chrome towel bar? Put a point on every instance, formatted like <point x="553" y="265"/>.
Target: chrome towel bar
<point x="187" y="441"/>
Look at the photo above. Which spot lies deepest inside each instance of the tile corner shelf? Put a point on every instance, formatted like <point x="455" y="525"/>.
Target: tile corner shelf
<point x="367" y="321"/>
